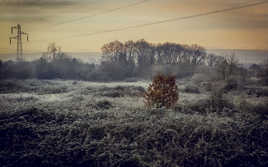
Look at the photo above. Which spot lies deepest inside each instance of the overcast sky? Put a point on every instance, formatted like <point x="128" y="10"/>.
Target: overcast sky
<point x="63" y="22"/>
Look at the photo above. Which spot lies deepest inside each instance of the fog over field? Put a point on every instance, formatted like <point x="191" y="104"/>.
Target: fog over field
<point x="59" y="111"/>
<point x="244" y="56"/>
<point x="90" y="57"/>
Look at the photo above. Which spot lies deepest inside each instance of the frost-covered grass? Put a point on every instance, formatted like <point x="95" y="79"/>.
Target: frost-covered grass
<point x="78" y="123"/>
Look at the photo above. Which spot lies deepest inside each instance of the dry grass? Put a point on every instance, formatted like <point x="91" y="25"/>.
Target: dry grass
<point x="82" y="127"/>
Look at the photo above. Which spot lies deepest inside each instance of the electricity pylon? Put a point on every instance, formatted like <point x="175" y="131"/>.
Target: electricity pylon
<point x="19" y="40"/>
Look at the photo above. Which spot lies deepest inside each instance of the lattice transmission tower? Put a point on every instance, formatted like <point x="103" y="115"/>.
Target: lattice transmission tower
<point x="18" y="37"/>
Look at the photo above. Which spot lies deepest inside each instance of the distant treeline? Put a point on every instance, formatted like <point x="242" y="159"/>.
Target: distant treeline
<point x="132" y="59"/>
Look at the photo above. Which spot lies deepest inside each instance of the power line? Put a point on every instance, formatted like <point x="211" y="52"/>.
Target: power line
<point x="104" y="12"/>
<point x="18" y="37"/>
<point x="175" y="19"/>
<point x="168" y="20"/>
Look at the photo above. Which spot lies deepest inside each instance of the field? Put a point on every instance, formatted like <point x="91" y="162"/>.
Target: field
<point x="77" y="123"/>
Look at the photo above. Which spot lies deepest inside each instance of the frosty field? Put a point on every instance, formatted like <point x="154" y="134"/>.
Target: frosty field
<point x="79" y="123"/>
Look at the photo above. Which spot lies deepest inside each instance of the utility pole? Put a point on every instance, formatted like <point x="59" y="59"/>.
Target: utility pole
<point x="19" y="40"/>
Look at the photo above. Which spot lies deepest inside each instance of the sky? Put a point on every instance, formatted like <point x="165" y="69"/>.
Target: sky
<point x="69" y="23"/>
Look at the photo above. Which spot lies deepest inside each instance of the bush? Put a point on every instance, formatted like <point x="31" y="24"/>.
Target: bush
<point x="258" y="92"/>
<point x="104" y="104"/>
<point x="200" y="77"/>
<point x="231" y="84"/>
<point x="207" y="86"/>
<point x="178" y="70"/>
<point x="264" y="80"/>
<point x="217" y="102"/>
<point x="163" y="92"/>
<point x="191" y="89"/>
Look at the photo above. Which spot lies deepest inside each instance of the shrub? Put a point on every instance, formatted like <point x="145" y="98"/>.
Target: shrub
<point x="104" y="104"/>
<point x="200" y="77"/>
<point x="231" y="84"/>
<point x="217" y="101"/>
<point x="191" y="89"/>
<point x="207" y="86"/>
<point x="163" y="92"/>
<point x="264" y="80"/>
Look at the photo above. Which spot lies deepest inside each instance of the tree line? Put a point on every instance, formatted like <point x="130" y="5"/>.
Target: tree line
<point x="144" y="59"/>
<point x="121" y="60"/>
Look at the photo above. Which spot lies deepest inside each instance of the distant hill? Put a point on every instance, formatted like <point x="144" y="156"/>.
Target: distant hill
<point x="244" y="56"/>
<point x="91" y="57"/>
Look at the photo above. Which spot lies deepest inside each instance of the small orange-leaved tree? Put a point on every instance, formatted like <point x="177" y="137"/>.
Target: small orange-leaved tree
<point x="163" y="92"/>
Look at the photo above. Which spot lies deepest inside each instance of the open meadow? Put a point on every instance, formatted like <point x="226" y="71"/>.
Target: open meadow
<point x="78" y="123"/>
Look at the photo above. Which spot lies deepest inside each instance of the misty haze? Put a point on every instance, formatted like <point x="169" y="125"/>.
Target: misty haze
<point x="133" y="83"/>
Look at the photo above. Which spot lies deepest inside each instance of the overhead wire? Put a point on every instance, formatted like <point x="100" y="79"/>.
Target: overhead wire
<point x="176" y="18"/>
<point x="167" y="20"/>
<point x="103" y="12"/>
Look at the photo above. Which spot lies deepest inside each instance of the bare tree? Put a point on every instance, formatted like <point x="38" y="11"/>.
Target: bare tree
<point x="232" y="62"/>
<point x="168" y="53"/>
<point x="113" y="51"/>
<point x="227" y="66"/>
<point x="145" y="53"/>
<point x="197" y="54"/>
<point x="52" y="49"/>
<point x="211" y="60"/>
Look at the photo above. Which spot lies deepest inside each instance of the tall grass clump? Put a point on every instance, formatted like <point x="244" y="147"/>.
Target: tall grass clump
<point x="163" y="92"/>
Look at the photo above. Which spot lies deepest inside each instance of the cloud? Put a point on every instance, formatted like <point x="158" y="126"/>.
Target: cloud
<point x="43" y="3"/>
<point x="24" y="18"/>
<point x="33" y="10"/>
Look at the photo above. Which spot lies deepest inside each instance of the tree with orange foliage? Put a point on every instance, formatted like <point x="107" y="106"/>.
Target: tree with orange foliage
<point x="163" y="92"/>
